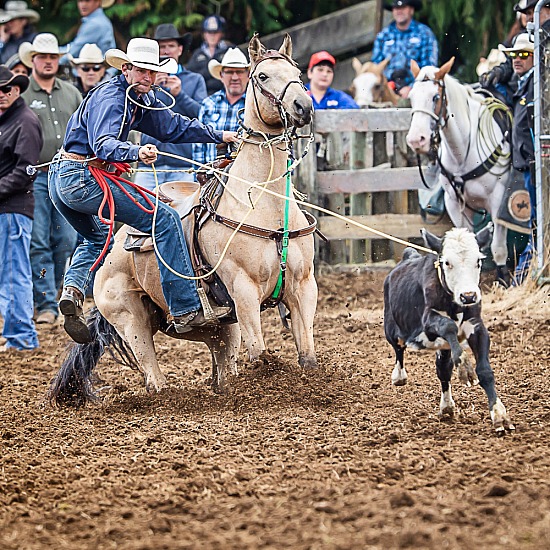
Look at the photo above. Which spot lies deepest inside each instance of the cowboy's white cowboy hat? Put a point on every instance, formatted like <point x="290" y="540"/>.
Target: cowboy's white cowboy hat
<point x="107" y="3"/>
<point x="495" y="57"/>
<point x="143" y="53"/>
<point x="90" y="53"/>
<point x="233" y="58"/>
<point x="44" y="42"/>
<point x="522" y="44"/>
<point x="17" y="9"/>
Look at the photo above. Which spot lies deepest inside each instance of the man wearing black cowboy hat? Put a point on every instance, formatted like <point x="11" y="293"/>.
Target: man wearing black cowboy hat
<point x="405" y="39"/>
<point x="20" y="145"/>
<point x="188" y="90"/>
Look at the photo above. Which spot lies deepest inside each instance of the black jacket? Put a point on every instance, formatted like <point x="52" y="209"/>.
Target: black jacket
<point x="20" y="145"/>
<point x="523" y="150"/>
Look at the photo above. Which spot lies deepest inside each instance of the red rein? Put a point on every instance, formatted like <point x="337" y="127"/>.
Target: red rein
<point x="101" y="176"/>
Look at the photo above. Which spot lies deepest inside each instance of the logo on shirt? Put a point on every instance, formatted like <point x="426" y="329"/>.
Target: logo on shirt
<point x="332" y="103"/>
<point x="37" y="104"/>
<point x="414" y="40"/>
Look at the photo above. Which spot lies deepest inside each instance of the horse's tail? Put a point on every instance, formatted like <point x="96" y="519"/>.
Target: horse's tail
<point x="73" y="385"/>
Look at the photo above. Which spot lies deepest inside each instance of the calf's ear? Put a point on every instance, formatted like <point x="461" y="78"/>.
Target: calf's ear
<point x="431" y="241"/>
<point x="485" y="236"/>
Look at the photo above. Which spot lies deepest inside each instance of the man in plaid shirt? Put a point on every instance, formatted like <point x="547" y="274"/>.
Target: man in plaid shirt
<point x="405" y="39"/>
<point x="221" y="109"/>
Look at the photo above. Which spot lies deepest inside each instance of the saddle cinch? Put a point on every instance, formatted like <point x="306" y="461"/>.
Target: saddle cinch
<point x="185" y="198"/>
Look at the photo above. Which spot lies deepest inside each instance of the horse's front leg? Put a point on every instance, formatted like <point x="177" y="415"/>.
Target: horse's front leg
<point x="499" y="249"/>
<point x="455" y="209"/>
<point x="302" y="304"/>
<point x="246" y="295"/>
<point x="224" y="346"/>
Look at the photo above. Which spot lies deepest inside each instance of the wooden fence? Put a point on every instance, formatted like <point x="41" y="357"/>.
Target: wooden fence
<point x="361" y="168"/>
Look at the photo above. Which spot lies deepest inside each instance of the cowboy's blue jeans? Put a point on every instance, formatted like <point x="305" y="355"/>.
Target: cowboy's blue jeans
<point x="16" y="305"/>
<point x="52" y="243"/>
<point x="77" y="195"/>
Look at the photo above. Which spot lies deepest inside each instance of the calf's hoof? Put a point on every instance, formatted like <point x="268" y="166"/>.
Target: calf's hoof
<point x="399" y="376"/>
<point x="500" y="418"/>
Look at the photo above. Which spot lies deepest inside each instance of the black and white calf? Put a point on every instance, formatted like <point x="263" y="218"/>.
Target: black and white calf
<point x="433" y="302"/>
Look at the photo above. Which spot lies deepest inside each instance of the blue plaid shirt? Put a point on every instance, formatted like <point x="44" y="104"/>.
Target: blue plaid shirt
<point x="218" y="113"/>
<point x="418" y="42"/>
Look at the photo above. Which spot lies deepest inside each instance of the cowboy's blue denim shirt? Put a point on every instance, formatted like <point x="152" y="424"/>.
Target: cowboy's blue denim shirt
<point x="100" y="126"/>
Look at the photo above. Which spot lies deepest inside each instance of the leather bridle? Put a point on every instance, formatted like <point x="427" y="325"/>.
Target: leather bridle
<point x="275" y="100"/>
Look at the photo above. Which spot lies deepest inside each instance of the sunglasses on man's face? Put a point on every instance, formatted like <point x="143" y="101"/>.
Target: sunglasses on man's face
<point x="522" y="55"/>
<point x="5" y="89"/>
<point x="95" y="68"/>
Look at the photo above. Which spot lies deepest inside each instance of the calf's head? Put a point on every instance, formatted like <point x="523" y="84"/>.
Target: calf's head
<point x="459" y="257"/>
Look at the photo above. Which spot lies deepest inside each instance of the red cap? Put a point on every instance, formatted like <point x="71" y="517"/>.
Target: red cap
<point x="319" y="57"/>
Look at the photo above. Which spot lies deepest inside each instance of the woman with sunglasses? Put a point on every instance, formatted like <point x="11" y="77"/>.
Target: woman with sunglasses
<point x="90" y="67"/>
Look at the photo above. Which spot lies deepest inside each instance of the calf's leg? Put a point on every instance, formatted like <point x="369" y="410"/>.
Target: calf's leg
<point x="444" y="367"/>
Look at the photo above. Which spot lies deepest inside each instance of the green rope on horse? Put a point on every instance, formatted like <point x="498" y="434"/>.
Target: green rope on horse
<point x="284" y="251"/>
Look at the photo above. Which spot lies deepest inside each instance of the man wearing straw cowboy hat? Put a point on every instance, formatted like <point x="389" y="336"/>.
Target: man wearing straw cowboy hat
<point x="90" y="67"/>
<point x="95" y="28"/>
<point x="221" y="109"/>
<point x="96" y="136"/>
<point x="20" y="144"/>
<point x="53" y="239"/>
<point x="18" y="23"/>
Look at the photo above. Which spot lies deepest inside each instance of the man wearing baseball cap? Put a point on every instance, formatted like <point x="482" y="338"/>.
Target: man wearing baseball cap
<point x="404" y="39"/>
<point x="320" y="72"/>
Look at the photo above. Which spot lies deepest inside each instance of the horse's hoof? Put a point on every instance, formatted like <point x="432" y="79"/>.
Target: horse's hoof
<point x="308" y="362"/>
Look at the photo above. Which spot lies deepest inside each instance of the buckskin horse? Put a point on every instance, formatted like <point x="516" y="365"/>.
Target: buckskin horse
<point x="130" y="304"/>
<point x="460" y="129"/>
<point x="370" y="86"/>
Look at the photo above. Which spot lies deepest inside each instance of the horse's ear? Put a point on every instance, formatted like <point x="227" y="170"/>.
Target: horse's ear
<point x="444" y="70"/>
<point x="431" y="241"/>
<point x="357" y="66"/>
<point x="286" y="47"/>
<point x="383" y="64"/>
<point x="485" y="236"/>
<point x="255" y="49"/>
<point x="415" y="69"/>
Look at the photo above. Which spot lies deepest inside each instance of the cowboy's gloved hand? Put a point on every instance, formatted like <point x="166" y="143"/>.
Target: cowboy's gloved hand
<point x="148" y="153"/>
<point x="492" y="77"/>
<point x="230" y="137"/>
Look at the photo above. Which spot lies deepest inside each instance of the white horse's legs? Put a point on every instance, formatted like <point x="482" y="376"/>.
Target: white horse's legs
<point x="499" y="248"/>
<point x="302" y="305"/>
<point x="126" y="311"/>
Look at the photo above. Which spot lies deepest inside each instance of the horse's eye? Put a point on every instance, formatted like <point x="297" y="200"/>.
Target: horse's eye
<point x="263" y="77"/>
<point x="437" y="97"/>
<point x="448" y="264"/>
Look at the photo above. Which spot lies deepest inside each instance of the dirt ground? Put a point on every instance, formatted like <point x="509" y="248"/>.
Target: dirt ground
<point x="337" y="458"/>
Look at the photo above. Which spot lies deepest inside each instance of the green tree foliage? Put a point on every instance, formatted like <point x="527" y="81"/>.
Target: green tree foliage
<point x="468" y="29"/>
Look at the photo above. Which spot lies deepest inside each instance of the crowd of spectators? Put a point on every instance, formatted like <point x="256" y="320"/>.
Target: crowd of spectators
<point x="211" y="87"/>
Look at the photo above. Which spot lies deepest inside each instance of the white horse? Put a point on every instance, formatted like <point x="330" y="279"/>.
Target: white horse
<point x="456" y="124"/>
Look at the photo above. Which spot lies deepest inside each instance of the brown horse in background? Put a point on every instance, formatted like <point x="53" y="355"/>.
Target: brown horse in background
<point x="370" y="86"/>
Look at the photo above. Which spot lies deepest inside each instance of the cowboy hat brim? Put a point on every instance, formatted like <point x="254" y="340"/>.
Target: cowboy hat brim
<point x="215" y="67"/>
<point x="107" y="3"/>
<point x="116" y="58"/>
<point x="76" y="61"/>
<point x="31" y="15"/>
<point x="27" y="52"/>
<point x="416" y="4"/>
<point x="19" y="80"/>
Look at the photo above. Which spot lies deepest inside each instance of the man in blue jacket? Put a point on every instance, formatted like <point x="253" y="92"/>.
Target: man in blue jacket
<point x="187" y="90"/>
<point x="96" y="136"/>
<point x="320" y="72"/>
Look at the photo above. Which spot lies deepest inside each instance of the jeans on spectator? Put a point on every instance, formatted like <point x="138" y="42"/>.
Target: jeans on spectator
<point x="16" y="303"/>
<point x="147" y="179"/>
<point x="52" y="243"/>
<point x="77" y="196"/>
<point x="525" y="258"/>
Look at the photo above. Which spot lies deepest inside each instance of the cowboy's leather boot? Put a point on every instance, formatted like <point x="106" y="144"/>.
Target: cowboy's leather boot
<point x="196" y="319"/>
<point x="70" y="306"/>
